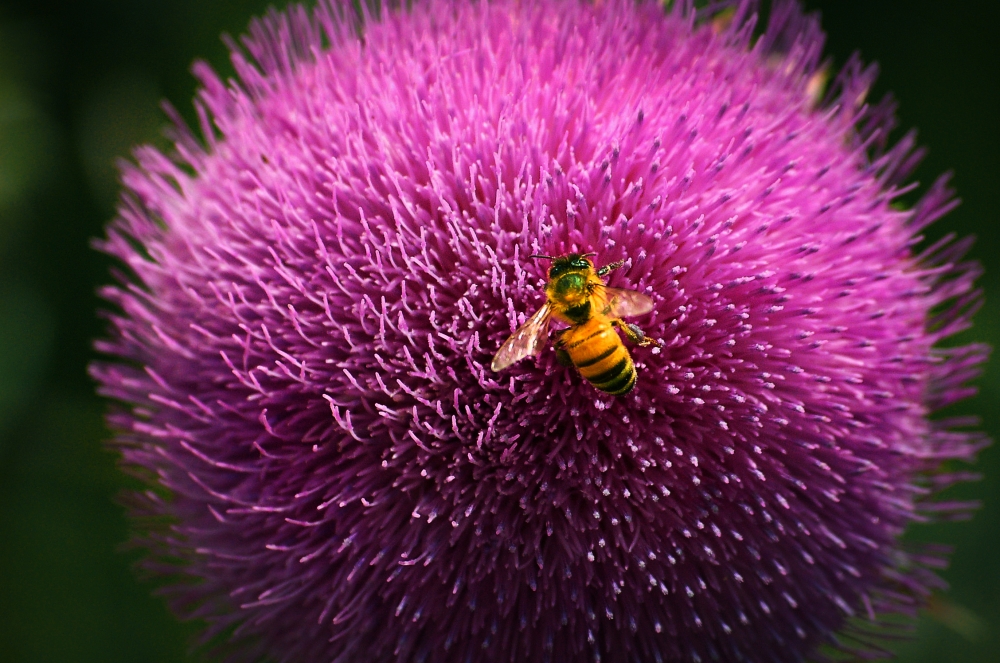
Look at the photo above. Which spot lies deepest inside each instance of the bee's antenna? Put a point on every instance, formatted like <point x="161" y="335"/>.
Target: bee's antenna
<point x="546" y="257"/>
<point x="587" y="255"/>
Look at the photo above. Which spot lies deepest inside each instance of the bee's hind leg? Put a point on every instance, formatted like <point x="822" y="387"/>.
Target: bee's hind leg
<point x="607" y="269"/>
<point x="635" y="334"/>
<point x="557" y="343"/>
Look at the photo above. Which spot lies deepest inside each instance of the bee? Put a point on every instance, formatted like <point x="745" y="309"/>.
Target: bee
<point x="576" y="294"/>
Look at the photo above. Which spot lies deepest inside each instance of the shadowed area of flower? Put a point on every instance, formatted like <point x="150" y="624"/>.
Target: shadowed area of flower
<point x="318" y="288"/>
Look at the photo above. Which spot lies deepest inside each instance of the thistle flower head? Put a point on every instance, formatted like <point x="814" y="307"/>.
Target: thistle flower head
<point x="319" y="284"/>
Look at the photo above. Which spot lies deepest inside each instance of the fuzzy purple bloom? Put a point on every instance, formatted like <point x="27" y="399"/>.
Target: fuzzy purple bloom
<point x="318" y="288"/>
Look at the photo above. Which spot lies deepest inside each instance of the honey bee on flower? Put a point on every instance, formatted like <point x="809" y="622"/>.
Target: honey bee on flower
<point x="577" y="295"/>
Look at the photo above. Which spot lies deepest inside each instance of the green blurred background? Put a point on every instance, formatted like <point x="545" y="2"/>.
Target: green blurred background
<point x="81" y="82"/>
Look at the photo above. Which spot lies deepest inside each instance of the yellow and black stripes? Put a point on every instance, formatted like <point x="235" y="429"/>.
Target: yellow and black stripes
<point x="599" y="354"/>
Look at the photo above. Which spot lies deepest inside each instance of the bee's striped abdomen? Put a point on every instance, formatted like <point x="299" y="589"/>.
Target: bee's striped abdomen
<point x="599" y="354"/>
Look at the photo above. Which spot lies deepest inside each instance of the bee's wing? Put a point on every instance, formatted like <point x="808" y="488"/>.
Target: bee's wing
<point x="627" y="303"/>
<point x="527" y="340"/>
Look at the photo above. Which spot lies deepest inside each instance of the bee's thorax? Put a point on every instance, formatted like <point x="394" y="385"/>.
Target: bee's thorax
<point x="570" y="296"/>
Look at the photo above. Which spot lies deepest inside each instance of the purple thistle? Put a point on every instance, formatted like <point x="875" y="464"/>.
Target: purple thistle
<point x="303" y="345"/>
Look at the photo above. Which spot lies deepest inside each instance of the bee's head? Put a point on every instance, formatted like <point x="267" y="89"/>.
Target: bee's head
<point x="571" y="262"/>
<point x="569" y="276"/>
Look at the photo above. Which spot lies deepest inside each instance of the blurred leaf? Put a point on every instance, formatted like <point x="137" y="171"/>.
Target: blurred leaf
<point x="25" y="339"/>
<point x="958" y="618"/>
<point x="26" y="140"/>
<point x="120" y="113"/>
<point x="27" y="134"/>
